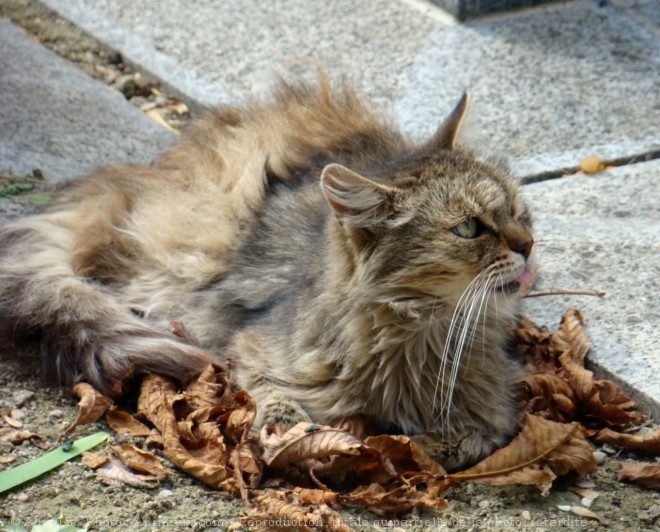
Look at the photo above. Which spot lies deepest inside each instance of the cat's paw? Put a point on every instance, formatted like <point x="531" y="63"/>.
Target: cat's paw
<point x="282" y="411"/>
<point x="455" y="453"/>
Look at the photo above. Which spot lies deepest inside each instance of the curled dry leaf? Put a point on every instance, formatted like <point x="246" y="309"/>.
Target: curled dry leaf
<point x="649" y="444"/>
<point x="114" y="473"/>
<point x="551" y="395"/>
<point x="205" y="389"/>
<point x="641" y="473"/>
<point x="601" y="399"/>
<point x="203" y="459"/>
<point x="124" y="423"/>
<point x="561" y="446"/>
<point x="305" y="441"/>
<point x="94" y="460"/>
<point x="571" y="335"/>
<point x="139" y="460"/>
<point x="404" y="455"/>
<point x="92" y="405"/>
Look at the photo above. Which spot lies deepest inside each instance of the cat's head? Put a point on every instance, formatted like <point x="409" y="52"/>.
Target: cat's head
<point x="434" y="223"/>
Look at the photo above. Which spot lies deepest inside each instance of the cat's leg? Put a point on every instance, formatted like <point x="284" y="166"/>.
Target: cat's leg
<point x="256" y="370"/>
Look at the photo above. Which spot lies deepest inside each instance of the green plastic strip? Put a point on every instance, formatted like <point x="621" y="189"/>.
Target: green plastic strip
<point x="32" y="469"/>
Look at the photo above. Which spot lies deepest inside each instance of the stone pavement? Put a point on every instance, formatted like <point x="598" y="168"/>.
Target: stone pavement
<point x="551" y="85"/>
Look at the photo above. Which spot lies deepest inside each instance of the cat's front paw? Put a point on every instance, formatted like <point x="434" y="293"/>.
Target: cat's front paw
<point x="455" y="454"/>
<point x="284" y="412"/>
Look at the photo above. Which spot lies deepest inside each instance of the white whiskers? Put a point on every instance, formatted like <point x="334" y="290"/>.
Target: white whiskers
<point x="461" y="335"/>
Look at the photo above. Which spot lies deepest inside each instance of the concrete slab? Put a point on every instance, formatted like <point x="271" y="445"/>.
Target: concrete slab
<point x="56" y="118"/>
<point x="602" y="232"/>
<point x="551" y="85"/>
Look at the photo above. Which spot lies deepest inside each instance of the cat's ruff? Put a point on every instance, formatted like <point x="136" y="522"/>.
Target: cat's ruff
<point x="341" y="268"/>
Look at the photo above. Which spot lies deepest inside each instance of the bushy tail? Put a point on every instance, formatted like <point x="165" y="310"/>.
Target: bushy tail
<point x="78" y="329"/>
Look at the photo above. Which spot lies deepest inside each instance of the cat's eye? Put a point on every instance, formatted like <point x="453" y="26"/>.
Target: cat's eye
<point x="467" y="229"/>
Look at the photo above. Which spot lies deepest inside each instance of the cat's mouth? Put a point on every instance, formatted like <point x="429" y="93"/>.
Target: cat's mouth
<point x="523" y="283"/>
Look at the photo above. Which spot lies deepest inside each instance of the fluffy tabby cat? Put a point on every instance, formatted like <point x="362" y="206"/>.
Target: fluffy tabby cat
<point x="340" y="268"/>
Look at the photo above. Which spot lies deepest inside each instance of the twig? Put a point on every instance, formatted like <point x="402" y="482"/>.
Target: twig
<point x="595" y="293"/>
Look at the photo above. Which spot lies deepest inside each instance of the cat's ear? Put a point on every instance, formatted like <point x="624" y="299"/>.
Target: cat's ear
<point x="445" y="137"/>
<point x="355" y="199"/>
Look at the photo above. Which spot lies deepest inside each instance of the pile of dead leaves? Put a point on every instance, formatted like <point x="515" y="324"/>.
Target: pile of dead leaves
<point x="305" y="474"/>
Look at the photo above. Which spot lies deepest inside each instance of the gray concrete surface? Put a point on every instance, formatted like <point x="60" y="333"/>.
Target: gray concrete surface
<point x="56" y="118"/>
<point x="602" y="232"/>
<point x="551" y="84"/>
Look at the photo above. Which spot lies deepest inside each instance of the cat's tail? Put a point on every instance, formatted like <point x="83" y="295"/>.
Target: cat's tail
<point x="75" y="325"/>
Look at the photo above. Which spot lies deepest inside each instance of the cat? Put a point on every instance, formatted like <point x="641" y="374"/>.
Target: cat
<point x="338" y="267"/>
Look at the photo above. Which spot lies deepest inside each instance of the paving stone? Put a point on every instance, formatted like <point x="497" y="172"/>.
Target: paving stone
<point x="56" y="118"/>
<point x="550" y="85"/>
<point x="602" y="232"/>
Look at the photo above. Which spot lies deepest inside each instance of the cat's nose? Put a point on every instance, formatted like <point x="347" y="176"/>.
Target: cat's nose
<point x="524" y="245"/>
<point x="519" y="240"/>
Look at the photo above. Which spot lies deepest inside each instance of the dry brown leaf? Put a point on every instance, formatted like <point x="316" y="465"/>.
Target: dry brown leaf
<point x="641" y="473"/>
<point x="649" y="444"/>
<point x="16" y="436"/>
<point x="114" y="473"/>
<point x="305" y="441"/>
<point x="550" y="395"/>
<point x="203" y="392"/>
<point x="314" y="496"/>
<point x="248" y="468"/>
<point x="596" y="396"/>
<point x="94" y="460"/>
<point x="402" y="498"/>
<point x="562" y="446"/>
<point x="124" y="423"/>
<point x="404" y="455"/>
<point x="139" y="460"/>
<point x="287" y="507"/>
<point x="203" y="459"/>
<point x="534" y="475"/>
<point x="92" y="405"/>
<point x="571" y="335"/>
<point x="7" y="459"/>
<point x="238" y="423"/>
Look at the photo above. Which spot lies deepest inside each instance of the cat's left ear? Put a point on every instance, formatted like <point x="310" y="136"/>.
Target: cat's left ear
<point x="361" y="202"/>
<point x="445" y="137"/>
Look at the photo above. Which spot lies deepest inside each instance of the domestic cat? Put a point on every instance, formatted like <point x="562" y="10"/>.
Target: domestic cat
<point x="340" y="268"/>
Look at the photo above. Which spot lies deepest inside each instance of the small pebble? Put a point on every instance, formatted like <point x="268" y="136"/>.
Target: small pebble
<point x="607" y="448"/>
<point x="600" y="457"/>
<point x="22" y="497"/>
<point x="56" y="413"/>
<point x="526" y="515"/>
<point x="165" y="493"/>
<point x="20" y="397"/>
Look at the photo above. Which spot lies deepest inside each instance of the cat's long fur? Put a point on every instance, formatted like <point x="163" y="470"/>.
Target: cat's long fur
<point x="329" y="299"/>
